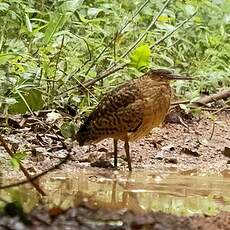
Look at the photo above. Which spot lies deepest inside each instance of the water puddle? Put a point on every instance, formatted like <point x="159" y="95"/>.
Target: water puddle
<point x="182" y="193"/>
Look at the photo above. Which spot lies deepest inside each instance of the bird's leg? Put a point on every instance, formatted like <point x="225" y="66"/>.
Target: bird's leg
<point x="128" y="154"/>
<point x="115" y="152"/>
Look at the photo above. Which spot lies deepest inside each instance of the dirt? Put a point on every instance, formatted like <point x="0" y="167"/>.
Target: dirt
<point x="184" y="148"/>
<point x="87" y="218"/>
<point x="200" y="145"/>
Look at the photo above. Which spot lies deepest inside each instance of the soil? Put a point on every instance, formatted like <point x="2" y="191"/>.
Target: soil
<point x="87" y="218"/>
<point x="200" y="144"/>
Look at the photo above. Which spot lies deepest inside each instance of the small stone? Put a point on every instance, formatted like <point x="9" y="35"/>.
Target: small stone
<point x="159" y="156"/>
<point x="102" y="150"/>
<point x="226" y="151"/>
<point x="190" y="152"/>
<point x="171" y="160"/>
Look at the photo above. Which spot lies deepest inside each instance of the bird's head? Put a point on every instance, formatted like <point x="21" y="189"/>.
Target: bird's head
<point x="165" y="75"/>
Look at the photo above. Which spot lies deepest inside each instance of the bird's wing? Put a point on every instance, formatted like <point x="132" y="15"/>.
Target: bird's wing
<point x="123" y="120"/>
<point x="119" y="111"/>
<point x="116" y="99"/>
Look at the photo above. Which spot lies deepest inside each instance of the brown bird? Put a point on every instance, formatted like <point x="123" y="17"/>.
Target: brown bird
<point x="130" y="111"/>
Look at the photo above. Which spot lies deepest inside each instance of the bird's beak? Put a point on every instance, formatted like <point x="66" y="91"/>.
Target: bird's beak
<point x="178" y="77"/>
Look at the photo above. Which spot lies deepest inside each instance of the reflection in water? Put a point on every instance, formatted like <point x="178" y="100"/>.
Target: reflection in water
<point x="141" y="191"/>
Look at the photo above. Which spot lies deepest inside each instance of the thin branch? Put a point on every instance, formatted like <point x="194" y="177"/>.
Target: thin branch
<point x="119" y="32"/>
<point x="32" y="179"/>
<point x="146" y="31"/>
<point x="213" y="128"/>
<point x="105" y="74"/>
<point x="212" y="98"/>
<point x="36" y="186"/>
<point x="180" y="102"/>
<point x="226" y="108"/>
<point x="58" y="56"/>
<point x="173" y="31"/>
<point x="112" y="68"/>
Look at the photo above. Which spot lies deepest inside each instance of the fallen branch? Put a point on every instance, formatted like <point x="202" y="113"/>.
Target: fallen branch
<point x="203" y="101"/>
<point x="34" y="183"/>
<point x="180" y="102"/>
<point x="206" y="99"/>
<point x="32" y="179"/>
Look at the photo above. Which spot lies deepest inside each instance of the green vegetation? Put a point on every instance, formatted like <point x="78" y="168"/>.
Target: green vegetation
<point x="52" y="51"/>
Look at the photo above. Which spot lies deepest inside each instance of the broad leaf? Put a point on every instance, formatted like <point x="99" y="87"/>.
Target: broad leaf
<point x="68" y="129"/>
<point x="27" y="100"/>
<point x="17" y="158"/>
<point x="60" y="17"/>
<point x="140" y="59"/>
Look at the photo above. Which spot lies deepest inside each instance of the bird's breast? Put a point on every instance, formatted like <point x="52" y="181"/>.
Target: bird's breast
<point x="156" y="102"/>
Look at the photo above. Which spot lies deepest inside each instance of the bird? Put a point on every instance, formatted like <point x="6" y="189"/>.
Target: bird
<point x="130" y="111"/>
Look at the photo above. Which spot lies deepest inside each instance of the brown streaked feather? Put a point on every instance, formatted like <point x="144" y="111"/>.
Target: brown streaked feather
<point x="130" y="111"/>
<point x="113" y="110"/>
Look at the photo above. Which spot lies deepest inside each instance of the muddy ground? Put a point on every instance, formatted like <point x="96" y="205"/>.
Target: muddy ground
<point x="202" y="145"/>
<point x="199" y="144"/>
<point x="87" y="218"/>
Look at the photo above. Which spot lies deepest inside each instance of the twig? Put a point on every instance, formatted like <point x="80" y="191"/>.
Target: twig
<point x="4" y="144"/>
<point x="213" y="128"/>
<point x="153" y="22"/>
<point x="105" y="74"/>
<point x="210" y="109"/>
<point x="221" y="109"/>
<point x="32" y="179"/>
<point x="58" y="57"/>
<point x="171" y="32"/>
<point x="180" y="102"/>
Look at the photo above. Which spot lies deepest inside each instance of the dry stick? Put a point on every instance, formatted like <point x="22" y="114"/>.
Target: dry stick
<point x="106" y="74"/>
<point x="4" y="144"/>
<point x="212" y="98"/>
<point x="207" y="99"/>
<point x="32" y="179"/>
<point x="213" y="128"/>
<point x="226" y="108"/>
<point x="180" y="102"/>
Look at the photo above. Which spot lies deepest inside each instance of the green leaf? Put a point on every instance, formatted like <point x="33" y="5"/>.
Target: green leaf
<point x="17" y="158"/>
<point x="57" y="21"/>
<point x="28" y="23"/>
<point x="59" y="18"/>
<point x="71" y="6"/>
<point x="20" y="156"/>
<point x="68" y="129"/>
<point x="140" y="59"/>
<point x="190" y="10"/>
<point x="5" y="57"/>
<point x="26" y="100"/>
<point x="4" y="6"/>
<point x="15" y="163"/>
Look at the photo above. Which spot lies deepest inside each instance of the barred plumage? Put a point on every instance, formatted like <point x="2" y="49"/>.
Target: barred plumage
<point x="130" y="111"/>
